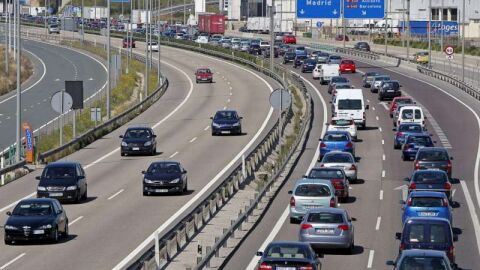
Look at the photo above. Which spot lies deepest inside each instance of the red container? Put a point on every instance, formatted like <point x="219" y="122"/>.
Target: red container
<point x="211" y="24"/>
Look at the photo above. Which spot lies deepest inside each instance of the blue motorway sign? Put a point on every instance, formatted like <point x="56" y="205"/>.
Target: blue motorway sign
<point x="28" y="136"/>
<point x="420" y="28"/>
<point x="364" y="9"/>
<point x="321" y="9"/>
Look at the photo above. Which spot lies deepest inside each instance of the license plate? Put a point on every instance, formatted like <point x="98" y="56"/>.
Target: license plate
<point x="285" y="268"/>
<point x="58" y="194"/>
<point x="390" y="91"/>
<point x="427" y="214"/>
<point x="135" y="148"/>
<point x="161" y="190"/>
<point x="325" y="231"/>
<point x="225" y="132"/>
<point x="38" y="231"/>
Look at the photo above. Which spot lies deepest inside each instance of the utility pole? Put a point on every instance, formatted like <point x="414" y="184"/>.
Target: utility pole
<point x="83" y="23"/>
<point x="463" y="41"/>
<point x="19" y="84"/>
<point x="184" y="13"/>
<point x="441" y="26"/>
<point x="408" y="29"/>
<point x="272" y="35"/>
<point x="108" y="59"/>
<point x="146" y="49"/>
<point x="45" y="18"/>
<point x="386" y="30"/>
<point x="7" y="36"/>
<point x="403" y="23"/>
<point x="158" y="40"/>
<point x="429" y="33"/>
<point x="343" y="23"/>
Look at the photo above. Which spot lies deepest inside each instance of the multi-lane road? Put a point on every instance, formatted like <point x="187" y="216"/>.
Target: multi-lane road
<point x="453" y="121"/>
<point x="117" y="218"/>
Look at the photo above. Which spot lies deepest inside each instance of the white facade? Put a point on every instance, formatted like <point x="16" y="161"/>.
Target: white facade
<point x="94" y="13"/>
<point x="234" y="9"/>
<point x="199" y="7"/>
<point x="140" y="16"/>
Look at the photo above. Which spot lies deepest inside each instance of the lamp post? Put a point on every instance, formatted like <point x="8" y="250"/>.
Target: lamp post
<point x="463" y="41"/>
<point x="108" y="59"/>
<point x="19" y="83"/>
<point x="429" y="33"/>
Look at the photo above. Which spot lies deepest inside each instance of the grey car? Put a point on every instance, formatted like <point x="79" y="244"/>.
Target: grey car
<point x="334" y="80"/>
<point x="377" y="82"/>
<point x="334" y="59"/>
<point x="328" y="228"/>
<point x="368" y="78"/>
<point x="421" y="259"/>
<point x="433" y="158"/>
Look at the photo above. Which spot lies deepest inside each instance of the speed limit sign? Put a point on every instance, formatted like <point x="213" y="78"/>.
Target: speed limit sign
<point x="449" y="50"/>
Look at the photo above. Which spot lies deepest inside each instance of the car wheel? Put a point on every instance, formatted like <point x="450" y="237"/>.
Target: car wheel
<point x="7" y="242"/>
<point x="404" y="158"/>
<point x="79" y="197"/>
<point x="239" y="131"/>
<point x="146" y="193"/>
<point x="85" y="195"/>
<point x="66" y="233"/>
<point x="55" y="235"/>
<point x="196" y="81"/>
<point x="396" y="146"/>
<point x="293" y="220"/>
<point x="122" y="154"/>
<point x="185" y="189"/>
<point x="351" y="248"/>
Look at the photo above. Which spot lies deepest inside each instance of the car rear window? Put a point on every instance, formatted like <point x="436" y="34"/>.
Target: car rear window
<point x="329" y="218"/>
<point x="287" y="252"/>
<point x="391" y="85"/>
<point x="427" y="202"/>
<point x="340" y="79"/>
<point x="421" y="140"/>
<point x="312" y="190"/>
<point x="348" y="62"/>
<point x="432" y="155"/>
<point x="335" y="137"/>
<point x="438" y="233"/>
<point x="204" y="70"/>
<point x="410" y="128"/>
<point x="325" y="174"/>
<point x="430" y="177"/>
<point x="349" y="104"/>
<point x="404" y="101"/>
<point x="164" y="167"/>
<point x="424" y="263"/>
<point x="337" y="158"/>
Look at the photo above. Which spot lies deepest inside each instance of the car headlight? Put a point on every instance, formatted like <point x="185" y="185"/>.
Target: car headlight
<point x="124" y="144"/>
<point x="174" y="181"/>
<point x="148" y="181"/>
<point x="48" y="226"/>
<point x="40" y="188"/>
<point x="147" y="143"/>
<point x="72" y="188"/>
<point x="236" y="124"/>
<point x="215" y="124"/>
<point x="10" y="227"/>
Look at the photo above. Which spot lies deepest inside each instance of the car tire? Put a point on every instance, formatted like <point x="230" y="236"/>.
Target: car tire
<point x="146" y="193"/>
<point x="293" y="220"/>
<point x="55" y="236"/>
<point x="8" y="242"/>
<point x="122" y="154"/>
<point x="196" y="81"/>
<point x="66" y="233"/>
<point x="396" y="146"/>
<point x="404" y="158"/>
<point x="185" y="189"/>
<point x="79" y="198"/>
<point x="351" y="248"/>
<point x="85" y="195"/>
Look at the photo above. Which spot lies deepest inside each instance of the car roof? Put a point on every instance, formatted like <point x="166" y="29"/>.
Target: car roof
<point x="436" y="194"/>
<point x="409" y="106"/>
<point x="289" y="243"/>
<point x="433" y="149"/>
<point x="304" y="181"/>
<point x="337" y="152"/>
<point x="165" y="161"/>
<point x="426" y="220"/>
<point x="226" y="111"/>
<point x="337" y="132"/>
<point x="332" y="210"/>
<point x="429" y="170"/>
<point x="38" y="200"/>
<point x="423" y="252"/>
<point x="62" y="163"/>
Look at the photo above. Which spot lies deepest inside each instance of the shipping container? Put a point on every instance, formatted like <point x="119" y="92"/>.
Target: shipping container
<point x="211" y="24"/>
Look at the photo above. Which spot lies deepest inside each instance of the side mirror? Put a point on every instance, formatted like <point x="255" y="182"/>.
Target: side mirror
<point x="391" y="263"/>
<point x="211" y="118"/>
<point x="434" y="141"/>
<point x="241" y="117"/>
<point x="451" y="158"/>
<point x="319" y="140"/>
<point x="9" y="213"/>
<point x="38" y="177"/>
<point x="305" y="176"/>
<point x="394" y="129"/>
<point x="259" y="253"/>
<point x="290" y="192"/>
<point x="455" y="238"/>
<point x="326" y="124"/>
<point x="60" y="211"/>
<point x="353" y="219"/>
<point x="398" y="236"/>
<point x="154" y="135"/>
<point x="81" y="177"/>
<point x="184" y="171"/>
<point x="389" y="102"/>
<point x="401" y="85"/>
<point x="319" y="255"/>
<point x="144" y="172"/>
<point x="331" y="102"/>
<point x="121" y="136"/>
<point x="367" y="107"/>
<point x="406" y="179"/>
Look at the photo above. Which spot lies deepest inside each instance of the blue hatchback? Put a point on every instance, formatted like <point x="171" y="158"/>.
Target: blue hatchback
<point x="336" y="141"/>
<point x="308" y="65"/>
<point x="413" y="143"/>
<point x="405" y="130"/>
<point x="426" y="204"/>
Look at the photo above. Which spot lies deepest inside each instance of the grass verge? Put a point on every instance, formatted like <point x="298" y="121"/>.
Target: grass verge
<point x="9" y="81"/>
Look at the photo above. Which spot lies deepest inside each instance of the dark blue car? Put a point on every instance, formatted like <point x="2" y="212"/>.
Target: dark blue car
<point x="413" y="143"/>
<point x="299" y="60"/>
<point x="164" y="177"/>
<point x="336" y="141"/>
<point x="226" y="122"/>
<point x="309" y="65"/>
<point x="405" y="130"/>
<point x="426" y="204"/>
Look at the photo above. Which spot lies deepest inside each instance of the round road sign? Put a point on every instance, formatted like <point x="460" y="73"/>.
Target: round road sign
<point x="449" y="50"/>
<point x="280" y="99"/>
<point x="61" y="102"/>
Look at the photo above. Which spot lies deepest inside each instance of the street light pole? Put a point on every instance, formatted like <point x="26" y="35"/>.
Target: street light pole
<point x="146" y="48"/>
<point x="83" y="23"/>
<point x="441" y="26"/>
<point x="429" y="33"/>
<point x="158" y="40"/>
<point x="463" y="41"/>
<point x="108" y="59"/>
<point x="272" y="35"/>
<point x="7" y="36"/>
<point x="344" y="23"/>
<point x="408" y="29"/>
<point x="19" y="84"/>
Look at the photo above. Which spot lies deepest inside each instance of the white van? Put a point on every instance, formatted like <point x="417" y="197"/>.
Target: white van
<point x="411" y="114"/>
<point x="328" y="71"/>
<point x="349" y="103"/>
<point x="316" y="71"/>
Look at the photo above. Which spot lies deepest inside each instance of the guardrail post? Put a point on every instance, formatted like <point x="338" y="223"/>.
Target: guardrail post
<point x="157" y="251"/>
<point x="244" y="172"/>
<point x="2" y="165"/>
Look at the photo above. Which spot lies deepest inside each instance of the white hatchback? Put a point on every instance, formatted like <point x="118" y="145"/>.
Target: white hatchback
<point x="342" y="124"/>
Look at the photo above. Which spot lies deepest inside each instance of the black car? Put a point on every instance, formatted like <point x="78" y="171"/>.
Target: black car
<point x="334" y="80"/>
<point x="299" y="60"/>
<point x="165" y="177"/>
<point x="138" y="140"/>
<point x="363" y="46"/>
<point x="288" y="57"/>
<point x="226" y="122"/>
<point x="283" y="48"/>
<point x="309" y="65"/>
<point x="289" y="255"/>
<point x="36" y="219"/>
<point x="254" y="49"/>
<point x="430" y="180"/>
<point x="389" y="90"/>
<point x="433" y="158"/>
<point x="65" y="181"/>
<point x="266" y="52"/>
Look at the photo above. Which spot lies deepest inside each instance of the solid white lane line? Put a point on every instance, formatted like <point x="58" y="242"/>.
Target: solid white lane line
<point x="125" y="261"/>
<point x="285" y="213"/>
<point x="231" y="88"/>
<point x="383" y="174"/>
<point x="473" y="213"/>
<point x="174" y="154"/>
<point x="228" y="100"/>
<point x="383" y="157"/>
<point x="12" y="261"/>
<point x="116" y="194"/>
<point x="193" y="139"/>
<point x="377" y="226"/>
<point x="225" y="107"/>
<point x="206" y="128"/>
<point x="381" y="195"/>
<point x="75" y="221"/>
<point x="370" y="258"/>
<point x="16" y="202"/>
<point x="231" y="94"/>
<point x="368" y="100"/>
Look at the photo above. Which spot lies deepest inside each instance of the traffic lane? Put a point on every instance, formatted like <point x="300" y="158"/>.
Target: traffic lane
<point x="131" y="194"/>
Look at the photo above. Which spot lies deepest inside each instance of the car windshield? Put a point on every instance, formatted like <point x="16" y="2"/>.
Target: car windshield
<point x="391" y="85"/>
<point x="337" y="158"/>
<point x="423" y="263"/>
<point x="226" y="115"/>
<point x="342" y="122"/>
<point x="438" y="233"/>
<point x="408" y="114"/>
<point x="325" y="217"/>
<point x="432" y="155"/>
<point x="430" y="177"/>
<point x="420" y="140"/>
<point x="53" y="26"/>
<point x="325" y="174"/>
<point x="301" y="57"/>
<point x="427" y="202"/>
<point x="290" y="54"/>
<point x="204" y="70"/>
<point x="404" y="101"/>
<point x="312" y="190"/>
<point x="332" y="137"/>
<point x="339" y="79"/>
<point x="342" y="86"/>
<point x="410" y="128"/>
<point x="311" y="61"/>
<point x="286" y="251"/>
<point x="349" y="104"/>
<point x="335" y="57"/>
<point x="371" y="74"/>
<point x="33" y="209"/>
<point x="55" y="172"/>
<point x="137" y="133"/>
<point x="300" y="48"/>
<point x="163" y="167"/>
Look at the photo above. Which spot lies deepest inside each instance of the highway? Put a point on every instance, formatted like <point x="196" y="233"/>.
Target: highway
<point x="453" y="121"/>
<point x="117" y="218"/>
<point x="53" y="65"/>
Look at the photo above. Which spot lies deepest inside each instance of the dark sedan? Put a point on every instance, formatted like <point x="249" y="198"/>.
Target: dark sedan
<point x="299" y="59"/>
<point x="165" y="177"/>
<point x="430" y="180"/>
<point x="65" y="181"/>
<point x="433" y="158"/>
<point x="288" y="255"/>
<point x="362" y="46"/>
<point x="226" y="122"/>
<point x="389" y="90"/>
<point x="308" y="65"/>
<point x="288" y="57"/>
<point x="413" y="143"/>
<point x="138" y="140"/>
<point x="255" y="49"/>
<point x="405" y="130"/>
<point x="335" y="80"/>
<point x="36" y="219"/>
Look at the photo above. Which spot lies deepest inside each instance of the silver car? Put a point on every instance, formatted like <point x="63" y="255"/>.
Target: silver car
<point x="368" y="78"/>
<point x="342" y="160"/>
<point x="377" y="81"/>
<point x="328" y="228"/>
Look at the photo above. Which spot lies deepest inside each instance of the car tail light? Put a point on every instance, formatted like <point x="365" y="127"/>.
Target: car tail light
<point x="451" y="253"/>
<point x="292" y="201"/>
<point x="353" y="167"/>
<point x="322" y="165"/>
<point x="402" y="246"/>
<point x="447" y="185"/>
<point x="337" y="183"/>
<point x="332" y="202"/>
<point x="322" y="145"/>
<point x="399" y="134"/>
<point x="306" y="267"/>
<point x="306" y="226"/>
<point x="349" y="145"/>
<point x="417" y="165"/>
<point x="449" y="166"/>
<point x="344" y="227"/>
<point x="412" y="186"/>
<point x="409" y="202"/>
<point x="445" y="202"/>
<point x="265" y="266"/>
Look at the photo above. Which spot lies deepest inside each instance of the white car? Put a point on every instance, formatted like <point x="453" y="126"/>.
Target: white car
<point x="153" y="46"/>
<point x="316" y="73"/>
<point x="264" y="45"/>
<point x="342" y="124"/>
<point x="343" y="160"/>
<point x="377" y="81"/>
<point x="202" y="40"/>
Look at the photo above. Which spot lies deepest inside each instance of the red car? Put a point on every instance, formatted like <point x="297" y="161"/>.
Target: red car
<point x="340" y="38"/>
<point x="347" y="66"/>
<point x="127" y="43"/>
<point x="204" y="75"/>
<point x="289" y="39"/>
<point x="399" y="100"/>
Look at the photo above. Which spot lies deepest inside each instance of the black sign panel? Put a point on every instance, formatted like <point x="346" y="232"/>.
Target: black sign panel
<point x="75" y="89"/>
